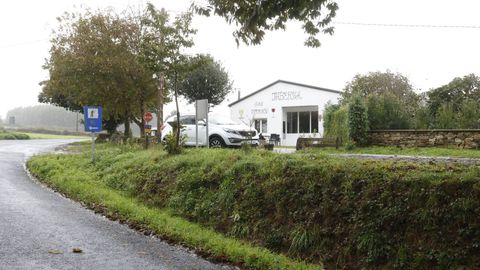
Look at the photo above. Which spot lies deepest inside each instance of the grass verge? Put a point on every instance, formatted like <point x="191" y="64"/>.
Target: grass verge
<point x="76" y="177"/>
<point x="53" y="136"/>
<point x="7" y="135"/>
<point x="420" y="151"/>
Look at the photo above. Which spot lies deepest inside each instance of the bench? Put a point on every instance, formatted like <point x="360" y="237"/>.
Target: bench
<point x="303" y="143"/>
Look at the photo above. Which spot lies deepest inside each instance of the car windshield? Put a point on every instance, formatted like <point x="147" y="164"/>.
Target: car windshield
<point x="220" y="120"/>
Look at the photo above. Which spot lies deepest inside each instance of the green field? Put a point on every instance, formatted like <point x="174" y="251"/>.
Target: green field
<point x="53" y="136"/>
<point x="423" y="151"/>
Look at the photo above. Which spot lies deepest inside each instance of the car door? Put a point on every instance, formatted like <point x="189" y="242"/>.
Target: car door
<point x="202" y="132"/>
<point x="188" y="123"/>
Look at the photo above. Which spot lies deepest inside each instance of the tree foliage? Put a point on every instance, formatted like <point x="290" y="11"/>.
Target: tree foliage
<point x="108" y="59"/>
<point x="391" y="101"/>
<point x="93" y="61"/>
<point x="385" y="111"/>
<point x="254" y="17"/>
<point x="335" y="121"/>
<point x="206" y="79"/>
<point x="455" y="93"/>
<point x="357" y="121"/>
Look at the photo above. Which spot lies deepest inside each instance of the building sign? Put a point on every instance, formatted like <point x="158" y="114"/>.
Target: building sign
<point x="259" y="111"/>
<point x="286" y="95"/>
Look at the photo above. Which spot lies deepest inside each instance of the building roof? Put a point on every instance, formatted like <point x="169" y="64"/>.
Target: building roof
<point x="287" y="82"/>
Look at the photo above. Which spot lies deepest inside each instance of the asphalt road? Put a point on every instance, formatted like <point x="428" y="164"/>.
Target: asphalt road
<point x="36" y="222"/>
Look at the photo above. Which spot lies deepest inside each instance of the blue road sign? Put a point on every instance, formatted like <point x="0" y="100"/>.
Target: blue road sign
<point x="93" y="118"/>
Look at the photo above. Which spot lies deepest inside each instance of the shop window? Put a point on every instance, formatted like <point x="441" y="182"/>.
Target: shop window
<point x="292" y="122"/>
<point x="314" y="122"/>
<point x="302" y="122"/>
<point x="261" y="125"/>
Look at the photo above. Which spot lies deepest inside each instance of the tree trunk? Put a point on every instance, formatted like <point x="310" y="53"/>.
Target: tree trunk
<point x="141" y="123"/>
<point x="126" y="133"/>
<point x="160" y="107"/>
<point x="177" y="138"/>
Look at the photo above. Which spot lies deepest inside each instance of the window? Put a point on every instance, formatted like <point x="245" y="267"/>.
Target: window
<point x="302" y="122"/>
<point x="314" y="122"/>
<point x="261" y="125"/>
<point x="292" y="122"/>
<point x="187" y="120"/>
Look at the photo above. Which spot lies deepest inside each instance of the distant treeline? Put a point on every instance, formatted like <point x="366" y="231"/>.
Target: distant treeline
<point x="46" y="117"/>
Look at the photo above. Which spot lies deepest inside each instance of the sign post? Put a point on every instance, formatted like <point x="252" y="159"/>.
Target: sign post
<point x="147" y="128"/>
<point x="201" y="112"/>
<point x="93" y="123"/>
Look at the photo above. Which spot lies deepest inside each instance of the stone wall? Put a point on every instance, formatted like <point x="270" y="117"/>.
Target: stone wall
<point x="461" y="138"/>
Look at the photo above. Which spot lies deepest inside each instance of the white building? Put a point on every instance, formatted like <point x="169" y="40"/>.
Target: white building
<point x="285" y="108"/>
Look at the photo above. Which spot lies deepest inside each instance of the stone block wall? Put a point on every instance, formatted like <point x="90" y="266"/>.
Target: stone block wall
<point x="460" y="138"/>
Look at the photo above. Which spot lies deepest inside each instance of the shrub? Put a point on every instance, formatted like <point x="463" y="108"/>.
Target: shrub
<point x="335" y="122"/>
<point x="385" y="111"/>
<point x="170" y="144"/>
<point x="357" y="121"/>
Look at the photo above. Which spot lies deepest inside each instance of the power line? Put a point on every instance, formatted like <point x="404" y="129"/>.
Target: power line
<point x="409" y="25"/>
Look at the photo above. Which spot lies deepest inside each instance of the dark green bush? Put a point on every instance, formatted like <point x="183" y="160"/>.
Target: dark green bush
<point x="357" y="121"/>
<point x="344" y="213"/>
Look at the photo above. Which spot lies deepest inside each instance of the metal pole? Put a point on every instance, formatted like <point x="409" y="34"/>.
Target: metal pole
<point x="146" y="140"/>
<point x="196" y="123"/>
<point x="208" y="139"/>
<point x="93" y="147"/>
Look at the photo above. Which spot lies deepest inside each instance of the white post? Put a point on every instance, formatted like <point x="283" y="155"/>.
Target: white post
<point x="196" y="123"/>
<point x="208" y="140"/>
<point x="93" y="147"/>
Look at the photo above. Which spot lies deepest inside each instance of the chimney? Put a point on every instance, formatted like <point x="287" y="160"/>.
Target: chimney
<point x="239" y="94"/>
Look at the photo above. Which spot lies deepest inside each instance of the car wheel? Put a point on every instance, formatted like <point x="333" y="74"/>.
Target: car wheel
<point x="216" y="142"/>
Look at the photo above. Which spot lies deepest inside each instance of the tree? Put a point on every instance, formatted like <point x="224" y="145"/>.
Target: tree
<point x="357" y="121"/>
<point x="161" y="50"/>
<point x="391" y="101"/>
<point x="455" y="93"/>
<point x="335" y="121"/>
<point x="254" y="17"/>
<point x="94" y="61"/>
<point x="106" y="59"/>
<point x="386" y="112"/>
<point x="205" y="79"/>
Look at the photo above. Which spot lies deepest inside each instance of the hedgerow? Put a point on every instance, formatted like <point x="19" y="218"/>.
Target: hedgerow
<point x="344" y="213"/>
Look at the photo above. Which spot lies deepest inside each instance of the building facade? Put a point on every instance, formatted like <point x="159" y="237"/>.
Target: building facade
<point x="288" y="109"/>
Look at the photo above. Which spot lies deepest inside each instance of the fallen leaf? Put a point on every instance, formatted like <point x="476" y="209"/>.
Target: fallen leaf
<point x="77" y="250"/>
<point x="55" y="251"/>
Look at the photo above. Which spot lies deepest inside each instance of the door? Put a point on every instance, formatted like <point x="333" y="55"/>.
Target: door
<point x="188" y="123"/>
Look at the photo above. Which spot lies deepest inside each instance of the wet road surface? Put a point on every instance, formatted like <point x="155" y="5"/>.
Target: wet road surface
<point x="34" y="220"/>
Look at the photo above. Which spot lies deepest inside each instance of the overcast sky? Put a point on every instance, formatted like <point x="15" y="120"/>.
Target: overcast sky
<point x="428" y="56"/>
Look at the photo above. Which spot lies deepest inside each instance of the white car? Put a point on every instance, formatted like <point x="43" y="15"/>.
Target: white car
<point x="222" y="131"/>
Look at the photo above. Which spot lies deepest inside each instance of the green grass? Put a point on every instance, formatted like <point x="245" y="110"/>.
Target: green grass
<point x="7" y="135"/>
<point x="75" y="176"/>
<point x="345" y="213"/>
<point x="423" y="151"/>
<point x="53" y="136"/>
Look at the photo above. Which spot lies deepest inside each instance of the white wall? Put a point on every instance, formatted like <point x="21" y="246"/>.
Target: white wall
<point x="273" y="103"/>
